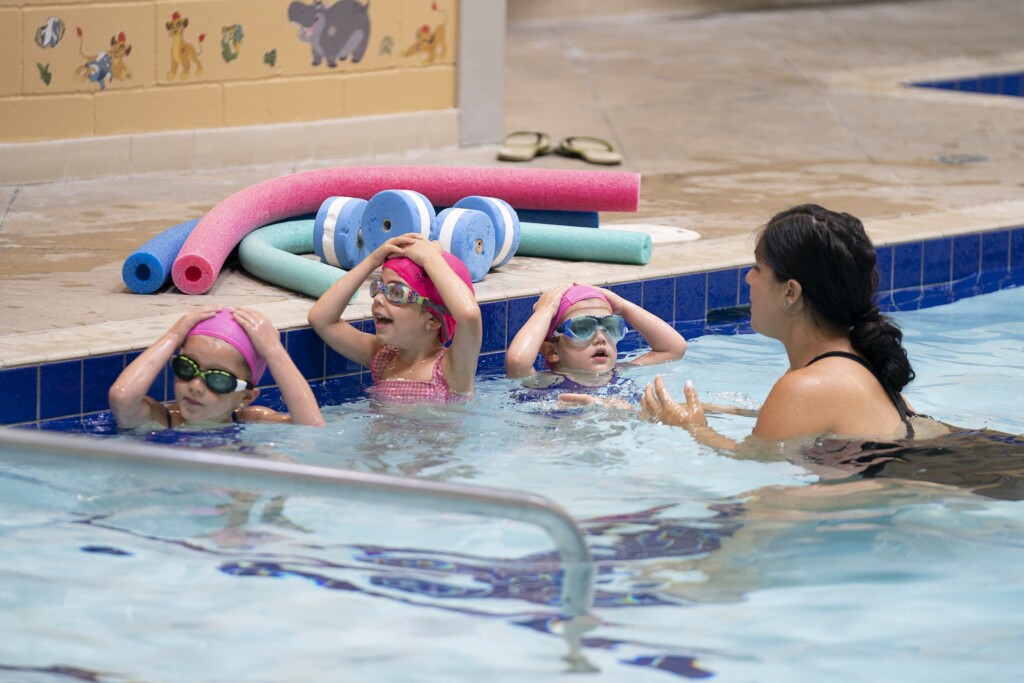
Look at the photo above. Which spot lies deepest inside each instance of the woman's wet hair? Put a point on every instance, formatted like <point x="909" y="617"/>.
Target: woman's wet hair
<point x="832" y="258"/>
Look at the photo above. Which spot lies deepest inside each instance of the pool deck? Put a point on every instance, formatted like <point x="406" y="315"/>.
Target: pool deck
<point x="728" y="117"/>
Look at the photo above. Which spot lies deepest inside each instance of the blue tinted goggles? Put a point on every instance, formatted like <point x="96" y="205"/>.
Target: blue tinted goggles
<point x="583" y="328"/>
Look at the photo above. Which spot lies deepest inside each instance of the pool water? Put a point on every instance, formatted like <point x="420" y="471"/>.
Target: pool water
<point x="708" y="567"/>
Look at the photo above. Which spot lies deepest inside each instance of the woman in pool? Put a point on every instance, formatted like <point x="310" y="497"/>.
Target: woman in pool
<point x="812" y="287"/>
<point x="422" y="301"/>
<point x="218" y="358"/>
<point x="576" y="329"/>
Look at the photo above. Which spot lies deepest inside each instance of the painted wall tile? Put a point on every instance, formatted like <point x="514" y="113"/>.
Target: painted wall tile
<point x="427" y="33"/>
<point x="28" y="119"/>
<point x="350" y="42"/>
<point x="185" y="107"/>
<point x="426" y="89"/>
<point x="187" y="40"/>
<point x="10" y="52"/>
<point x="284" y="101"/>
<point x="87" y="49"/>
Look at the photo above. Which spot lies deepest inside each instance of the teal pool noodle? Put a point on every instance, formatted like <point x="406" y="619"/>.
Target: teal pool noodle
<point x="584" y="244"/>
<point x="271" y="254"/>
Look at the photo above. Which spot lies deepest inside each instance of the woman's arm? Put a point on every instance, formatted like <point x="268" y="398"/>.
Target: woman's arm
<point x="302" y="406"/>
<point x="129" y="403"/>
<point x="657" y="404"/>
<point x="522" y="352"/>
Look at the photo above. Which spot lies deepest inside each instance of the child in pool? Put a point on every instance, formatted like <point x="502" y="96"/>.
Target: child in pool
<point x="218" y="358"/>
<point x="422" y="300"/>
<point x="576" y="329"/>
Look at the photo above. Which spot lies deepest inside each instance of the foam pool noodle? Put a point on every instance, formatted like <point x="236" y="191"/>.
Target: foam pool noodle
<point x="148" y="268"/>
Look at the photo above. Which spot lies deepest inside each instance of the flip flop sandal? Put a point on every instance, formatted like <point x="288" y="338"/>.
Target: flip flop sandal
<point x="524" y="145"/>
<point x="592" y="150"/>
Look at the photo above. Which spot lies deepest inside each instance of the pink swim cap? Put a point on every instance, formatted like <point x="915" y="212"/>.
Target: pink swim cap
<point x="224" y="326"/>
<point x="574" y="295"/>
<point x="421" y="283"/>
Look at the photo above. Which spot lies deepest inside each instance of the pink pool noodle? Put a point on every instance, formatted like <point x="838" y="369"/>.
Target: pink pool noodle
<point x="203" y="254"/>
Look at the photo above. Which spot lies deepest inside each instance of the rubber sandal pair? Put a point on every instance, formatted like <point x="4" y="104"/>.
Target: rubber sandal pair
<point x="525" y="145"/>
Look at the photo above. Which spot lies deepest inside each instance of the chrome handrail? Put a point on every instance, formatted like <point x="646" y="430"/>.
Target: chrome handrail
<point x="218" y="469"/>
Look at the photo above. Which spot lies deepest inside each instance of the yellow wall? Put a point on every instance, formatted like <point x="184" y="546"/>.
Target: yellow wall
<point x="268" y="77"/>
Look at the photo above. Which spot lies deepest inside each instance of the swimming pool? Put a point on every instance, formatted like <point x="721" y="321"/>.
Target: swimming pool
<point x="706" y="566"/>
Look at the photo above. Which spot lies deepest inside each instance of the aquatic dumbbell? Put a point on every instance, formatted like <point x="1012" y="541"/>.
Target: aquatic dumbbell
<point x="338" y="234"/>
<point x="391" y="213"/>
<point x="504" y="220"/>
<point x="469" y="235"/>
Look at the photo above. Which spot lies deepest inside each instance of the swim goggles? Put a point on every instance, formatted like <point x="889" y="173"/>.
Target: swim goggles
<point x="218" y="381"/>
<point x="583" y="328"/>
<point x="397" y="293"/>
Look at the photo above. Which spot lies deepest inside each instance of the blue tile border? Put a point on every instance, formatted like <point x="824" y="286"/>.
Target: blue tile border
<point x="1008" y="84"/>
<point x="72" y="394"/>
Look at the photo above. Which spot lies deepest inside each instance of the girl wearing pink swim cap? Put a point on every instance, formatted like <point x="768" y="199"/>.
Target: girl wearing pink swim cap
<point x="422" y="300"/>
<point x="576" y="329"/>
<point x="217" y="358"/>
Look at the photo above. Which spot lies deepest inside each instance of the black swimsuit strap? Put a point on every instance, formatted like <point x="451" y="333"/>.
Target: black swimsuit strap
<point x="894" y="396"/>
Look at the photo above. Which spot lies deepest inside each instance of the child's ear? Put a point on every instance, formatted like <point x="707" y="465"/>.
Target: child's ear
<point x="249" y="396"/>
<point x="549" y="351"/>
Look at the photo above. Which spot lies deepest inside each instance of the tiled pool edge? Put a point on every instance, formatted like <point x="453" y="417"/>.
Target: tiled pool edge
<point x="913" y="274"/>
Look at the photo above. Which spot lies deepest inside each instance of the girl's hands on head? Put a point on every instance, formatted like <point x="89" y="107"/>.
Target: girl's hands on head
<point x="551" y="298"/>
<point x="392" y="248"/>
<point x="420" y="250"/>
<point x="614" y="299"/>
<point x="264" y="336"/>
<point x="658" y="405"/>
<point x="185" y="323"/>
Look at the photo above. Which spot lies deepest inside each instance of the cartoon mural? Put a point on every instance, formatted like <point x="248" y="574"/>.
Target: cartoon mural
<point x="430" y="43"/>
<point x="104" y="67"/>
<point x="50" y="33"/>
<point x="334" y="33"/>
<point x="379" y="37"/>
<point x="231" y="41"/>
<point x="183" y="53"/>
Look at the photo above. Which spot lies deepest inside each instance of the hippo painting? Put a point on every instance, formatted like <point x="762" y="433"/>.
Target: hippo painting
<point x="334" y="32"/>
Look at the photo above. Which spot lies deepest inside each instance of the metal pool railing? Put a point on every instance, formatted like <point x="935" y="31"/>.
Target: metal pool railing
<point x="233" y="471"/>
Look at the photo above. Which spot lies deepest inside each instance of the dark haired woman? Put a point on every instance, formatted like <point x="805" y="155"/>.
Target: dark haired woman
<point x="812" y="287"/>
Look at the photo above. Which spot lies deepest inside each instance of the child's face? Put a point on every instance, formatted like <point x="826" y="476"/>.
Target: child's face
<point x="597" y="354"/>
<point x="392" y="322"/>
<point x="196" y="402"/>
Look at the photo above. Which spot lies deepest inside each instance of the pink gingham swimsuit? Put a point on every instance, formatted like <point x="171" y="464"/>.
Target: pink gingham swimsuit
<point x="409" y="390"/>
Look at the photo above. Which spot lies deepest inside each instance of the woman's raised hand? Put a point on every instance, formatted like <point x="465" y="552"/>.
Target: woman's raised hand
<point x="658" y="405"/>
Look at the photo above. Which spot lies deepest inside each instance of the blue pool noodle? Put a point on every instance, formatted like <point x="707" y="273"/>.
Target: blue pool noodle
<point x="579" y="219"/>
<point x="148" y="268"/>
